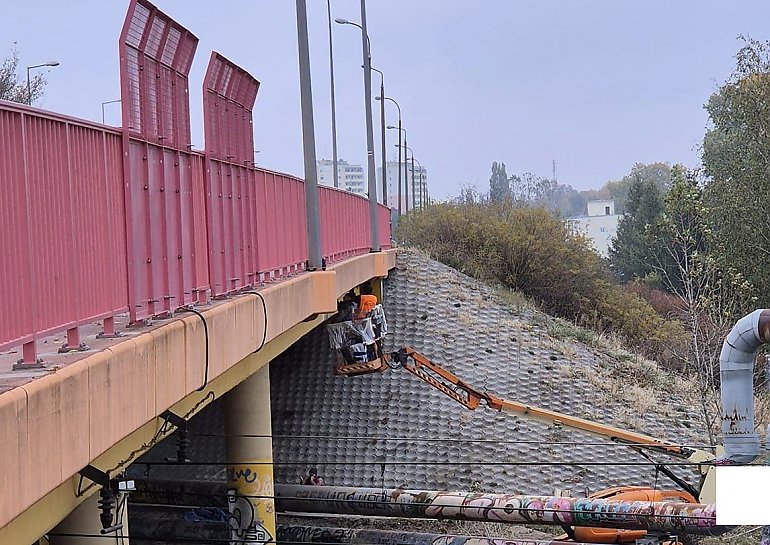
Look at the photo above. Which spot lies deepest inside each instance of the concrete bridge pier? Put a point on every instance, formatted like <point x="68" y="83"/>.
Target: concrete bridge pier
<point x="83" y="525"/>
<point x="250" y="473"/>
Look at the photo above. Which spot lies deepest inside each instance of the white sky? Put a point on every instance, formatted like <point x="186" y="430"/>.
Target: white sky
<point x="596" y="84"/>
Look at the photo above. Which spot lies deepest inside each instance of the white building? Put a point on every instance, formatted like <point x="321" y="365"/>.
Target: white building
<point x="391" y="171"/>
<point x="351" y="177"/>
<point x="600" y="225"/>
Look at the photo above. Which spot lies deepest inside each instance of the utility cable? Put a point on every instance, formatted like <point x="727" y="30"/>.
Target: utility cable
<point x="372" y="438"/>
<point x="423" y="462"/>
<point x="206" y="334"/>
<point x="264" y="314"/>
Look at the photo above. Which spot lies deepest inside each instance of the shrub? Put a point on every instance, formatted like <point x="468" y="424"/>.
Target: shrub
<point x="531" y="251"/>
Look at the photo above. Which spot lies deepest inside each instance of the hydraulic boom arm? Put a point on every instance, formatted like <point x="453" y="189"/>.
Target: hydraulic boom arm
<point x="454" y="387"/>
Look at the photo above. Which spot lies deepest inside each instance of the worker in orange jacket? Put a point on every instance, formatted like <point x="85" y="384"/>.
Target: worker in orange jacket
<point x="366" y="302"/>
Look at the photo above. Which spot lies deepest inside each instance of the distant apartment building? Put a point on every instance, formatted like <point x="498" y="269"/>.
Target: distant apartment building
<point x="351" y="177"/>
<point x="391" y="173"/>
<point x="600" y="225"/>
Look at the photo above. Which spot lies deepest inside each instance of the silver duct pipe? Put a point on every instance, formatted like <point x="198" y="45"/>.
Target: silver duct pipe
<point x="736" y="370"/>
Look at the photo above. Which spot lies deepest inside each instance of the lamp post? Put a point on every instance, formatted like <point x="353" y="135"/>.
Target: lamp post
<point x="381" y="99"/>
<point x="29" y="84"/>
<point x="406" y="185"/>
<point x="104" y="104"/>
<point x="371" y="175"/>
<point x="400" y="130"/>
<point x="335" y="172"/>
<point x="315" y="254"/>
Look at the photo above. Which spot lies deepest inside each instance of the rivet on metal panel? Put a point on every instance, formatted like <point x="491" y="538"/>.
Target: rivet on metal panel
<point x="149" y="260"/>
<point x="146" y="187"/>
<point x="162" y="189"/>
<point x="179" y="256"/>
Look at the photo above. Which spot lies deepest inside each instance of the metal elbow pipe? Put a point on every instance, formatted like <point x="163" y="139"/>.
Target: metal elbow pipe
<point x="736" y="370"/>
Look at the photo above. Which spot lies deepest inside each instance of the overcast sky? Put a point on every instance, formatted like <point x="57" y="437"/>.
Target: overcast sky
<point x="597" y="85"/>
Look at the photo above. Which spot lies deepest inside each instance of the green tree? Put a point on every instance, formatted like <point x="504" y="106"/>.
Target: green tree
<point x="634" y="252"/>
<point x="658" y="174"/>
<point x="736" y="157"/>
<point x="14" y="89"/>
<point x="499" y="184"/>
<point x="712" y="295"/>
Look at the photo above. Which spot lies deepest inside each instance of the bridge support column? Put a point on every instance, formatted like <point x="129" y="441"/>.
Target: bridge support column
<point x="84" y="521"/>
<point x="249" y="449"/>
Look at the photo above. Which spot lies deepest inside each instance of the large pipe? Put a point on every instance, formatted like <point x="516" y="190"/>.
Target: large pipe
<point x="315" y="534"/>
<point x="688" y="518"/>
<point x="736" y="369"/>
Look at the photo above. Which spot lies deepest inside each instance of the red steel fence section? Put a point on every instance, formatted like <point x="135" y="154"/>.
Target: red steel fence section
<point x="163" y="212"/>
<point x="281" y="225"/>
<point x="344" y="224"/>
<point x="229" y="93"/>
<point x="62" y="226"/>
<point x="383" y="216"/>
<point x="155" y="57"/>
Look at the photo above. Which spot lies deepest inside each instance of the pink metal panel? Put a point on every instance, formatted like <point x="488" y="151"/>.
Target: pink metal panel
<point x="61" y="225"/>
<point x="344" y="224"/>
<point x="229" y="93"/>
<point x="281" y="233"/>
<point x="383" y="213"/>
<point x="163" y="188"/>
<point x="155" y="56"/>
<point x="232" y="192"/>
<point x="15" y="263"/>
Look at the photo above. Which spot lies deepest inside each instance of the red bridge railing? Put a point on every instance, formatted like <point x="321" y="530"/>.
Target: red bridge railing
<point x="96" y="221"/>
<point x="62" y="226"/>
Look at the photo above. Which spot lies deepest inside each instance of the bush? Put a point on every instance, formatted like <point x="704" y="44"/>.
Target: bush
<point x="531" y="251"/>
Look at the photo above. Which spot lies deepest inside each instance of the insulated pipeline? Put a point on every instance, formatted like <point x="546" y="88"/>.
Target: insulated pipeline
<point x="685" y="518"/>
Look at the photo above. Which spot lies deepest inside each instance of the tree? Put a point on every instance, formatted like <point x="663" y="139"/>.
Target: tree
<point x="736" y="157"/>
<point x="11" y="88"/>
<point x="499" y="184"/>
<point x="712" y="294"/>
<point x="658" y="174"/>
<point x="633" y="252"/>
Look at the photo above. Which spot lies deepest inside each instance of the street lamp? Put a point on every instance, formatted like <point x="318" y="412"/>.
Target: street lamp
<point x="29" y="85"/>
<point x="374" y="226"/>
<point x="335" y="172"/>
<point x="104" y="104"/>
<point x="414" y="196"/>
<point x="381" y="98"/>
<point x="312" y="206"/>
<point x="400" y="130"/>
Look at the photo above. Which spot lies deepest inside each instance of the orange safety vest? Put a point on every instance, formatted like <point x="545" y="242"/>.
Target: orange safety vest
<point x="368" y="302"/>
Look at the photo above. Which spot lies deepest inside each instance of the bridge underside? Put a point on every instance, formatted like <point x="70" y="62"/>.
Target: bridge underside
<point x="104" y="409"/>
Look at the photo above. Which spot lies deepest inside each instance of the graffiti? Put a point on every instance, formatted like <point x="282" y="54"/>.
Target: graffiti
<point x="312" y="534"/>
<point x="309" y="534"/>
<point x="510" y="508"/>
<point x="245" y="526"/>
<point x="245" y="475"/>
